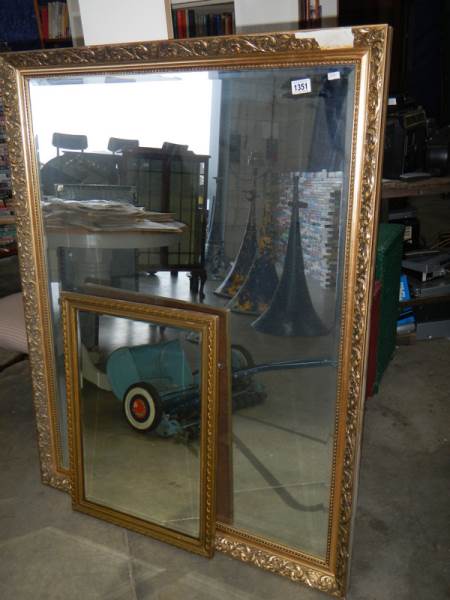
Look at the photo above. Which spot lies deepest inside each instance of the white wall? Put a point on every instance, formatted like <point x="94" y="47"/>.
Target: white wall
<point x="116" y="21"/>
<point x="329" y="12"/>
<point x="276" y="13"/>
<point x="175" y="2"/>
<point x="263" y="12"/>
<point x="76" y="29"/>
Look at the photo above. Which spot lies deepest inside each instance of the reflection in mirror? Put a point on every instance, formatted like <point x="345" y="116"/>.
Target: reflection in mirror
<point x="227" y="188"/>
<point x="142" y="378"/>
<point x="142" y="413"/>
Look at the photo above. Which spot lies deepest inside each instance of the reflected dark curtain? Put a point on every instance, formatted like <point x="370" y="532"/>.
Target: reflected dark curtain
<point x="328" y="142"/>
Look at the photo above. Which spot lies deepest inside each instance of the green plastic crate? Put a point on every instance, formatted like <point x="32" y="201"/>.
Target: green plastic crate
<point x="387" y="271"/>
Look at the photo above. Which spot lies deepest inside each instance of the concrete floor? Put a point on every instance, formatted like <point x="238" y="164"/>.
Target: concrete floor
<point x="402" y="536"/>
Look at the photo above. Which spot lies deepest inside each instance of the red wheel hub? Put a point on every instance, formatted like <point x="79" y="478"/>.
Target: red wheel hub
<point x="139" y="407"/>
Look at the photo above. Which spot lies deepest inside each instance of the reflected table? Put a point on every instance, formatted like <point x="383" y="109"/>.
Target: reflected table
<point x="100" y="254"/>
<point x="76" y="256"/>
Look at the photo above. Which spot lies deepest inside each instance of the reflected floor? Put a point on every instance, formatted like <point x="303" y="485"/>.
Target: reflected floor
<point x="282" y="446"/>
<point x="153" y="478"/>
<point x="280" y="488"/>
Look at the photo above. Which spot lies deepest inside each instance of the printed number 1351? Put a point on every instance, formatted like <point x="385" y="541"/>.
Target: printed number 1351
<point x="301" y="86"/>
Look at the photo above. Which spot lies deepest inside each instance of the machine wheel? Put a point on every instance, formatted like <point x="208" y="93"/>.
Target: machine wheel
<point x="242" y="356"/>
<point x="244" y="388"/>
<point x="142" y="406"/>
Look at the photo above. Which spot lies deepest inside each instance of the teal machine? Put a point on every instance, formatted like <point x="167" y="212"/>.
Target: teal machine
<point x="160" y="393"/>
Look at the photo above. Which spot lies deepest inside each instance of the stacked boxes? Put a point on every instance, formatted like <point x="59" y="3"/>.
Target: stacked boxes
<point x="319" y="213"/>
<point x="7" y="227"/>
<point x="387" y="271"/>
<point x="5" y="186"/>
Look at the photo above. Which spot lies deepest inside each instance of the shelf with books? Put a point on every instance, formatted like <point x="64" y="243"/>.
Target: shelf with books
<point x="8" y="241"/>
<point x="5" y="181"/>
<point x="8" y="244"/>
<point x="53" y="23"/>
<point x="310" y="14"/>
<point x="199" y="19"/>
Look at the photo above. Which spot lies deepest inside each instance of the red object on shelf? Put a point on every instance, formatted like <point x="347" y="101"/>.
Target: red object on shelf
<point x="228" y="23"/>
<point x="373" y="338"/>
<point x="181" y="23"/>
<point x="8" y="251"/>
<point x="44" y="21"/>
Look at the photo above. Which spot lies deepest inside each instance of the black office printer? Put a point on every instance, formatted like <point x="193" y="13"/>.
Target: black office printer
<point x="405" y="141"/>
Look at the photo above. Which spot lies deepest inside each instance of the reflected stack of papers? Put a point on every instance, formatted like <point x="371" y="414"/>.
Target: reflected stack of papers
<point x="101" y="215"/>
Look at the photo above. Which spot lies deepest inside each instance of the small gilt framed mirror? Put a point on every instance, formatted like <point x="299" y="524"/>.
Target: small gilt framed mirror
<point x="235" y="175"/>
<point x="160" y="375"/>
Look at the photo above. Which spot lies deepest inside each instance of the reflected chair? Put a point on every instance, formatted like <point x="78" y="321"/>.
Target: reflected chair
<point x="69" y="141"/>
<point x="116" y="145"/>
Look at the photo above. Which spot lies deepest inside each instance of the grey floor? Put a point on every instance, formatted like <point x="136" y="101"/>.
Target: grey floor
<point x="402" y="533"/>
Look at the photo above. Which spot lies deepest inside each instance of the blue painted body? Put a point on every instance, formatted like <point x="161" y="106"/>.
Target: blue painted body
<point x="163" y="365"/>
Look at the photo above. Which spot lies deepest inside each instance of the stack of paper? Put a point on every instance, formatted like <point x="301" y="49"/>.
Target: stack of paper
<point x="98" y="215"/>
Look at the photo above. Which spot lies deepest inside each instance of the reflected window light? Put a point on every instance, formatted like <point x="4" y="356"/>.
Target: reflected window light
<point x="154" y="110"/>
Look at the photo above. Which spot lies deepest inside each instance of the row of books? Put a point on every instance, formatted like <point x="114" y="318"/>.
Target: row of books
<point x="8" y="240"/>
<point x="5" y="189"/>
<point x="54" y="18"/>
<point x="4" y="161"/>
<point x="7" y="235"/>
<point x="310" y="13"/>
<point x="188" y="22"/>
<point x="5" y="177"/>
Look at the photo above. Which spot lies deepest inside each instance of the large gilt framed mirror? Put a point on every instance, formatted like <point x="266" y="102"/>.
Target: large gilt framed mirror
<point x="236" y="176"/>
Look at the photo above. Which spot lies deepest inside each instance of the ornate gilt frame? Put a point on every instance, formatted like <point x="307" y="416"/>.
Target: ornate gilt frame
<point x="205" y="324"/>
<point x="368" y="50"/>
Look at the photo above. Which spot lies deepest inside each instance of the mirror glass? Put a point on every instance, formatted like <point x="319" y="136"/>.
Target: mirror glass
<point x="227" y="188"/>
<point x="140" y="406"/>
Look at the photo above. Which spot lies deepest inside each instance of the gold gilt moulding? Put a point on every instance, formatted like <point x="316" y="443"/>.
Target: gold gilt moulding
<point x="102" y="484"/>
<point x="318" y="554"/>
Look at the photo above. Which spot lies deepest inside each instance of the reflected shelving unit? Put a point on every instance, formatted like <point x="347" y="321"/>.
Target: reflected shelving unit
<point x="202" y="18"/>
<point x="53" y="23"/>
